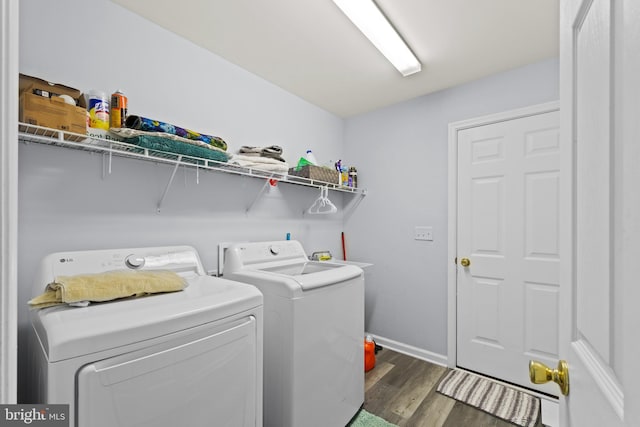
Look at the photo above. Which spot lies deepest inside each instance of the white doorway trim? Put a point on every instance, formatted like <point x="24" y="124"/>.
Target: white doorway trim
<point x="454" y="128"/>
<point x="8" y="200"/>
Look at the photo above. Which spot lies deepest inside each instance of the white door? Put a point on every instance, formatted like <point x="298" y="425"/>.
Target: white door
<point x="507" y="229"/>
<point x="600" y="228"/>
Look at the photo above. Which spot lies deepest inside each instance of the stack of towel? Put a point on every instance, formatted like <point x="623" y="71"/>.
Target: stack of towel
<point x="263" y="158"/>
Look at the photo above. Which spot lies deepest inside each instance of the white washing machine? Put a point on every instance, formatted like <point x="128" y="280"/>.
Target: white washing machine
<point x="313" y="333"/>
<point x="188" y="358"/>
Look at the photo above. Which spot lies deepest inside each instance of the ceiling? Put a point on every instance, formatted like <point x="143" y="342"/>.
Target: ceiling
<point x="311" y="49"/>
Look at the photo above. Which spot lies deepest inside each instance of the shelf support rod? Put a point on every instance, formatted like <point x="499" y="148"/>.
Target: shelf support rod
<point x="106" y="164"/>
<point x="353" y="204"/>
<point x="262" y="190"/>
<point x="166" y="190"/>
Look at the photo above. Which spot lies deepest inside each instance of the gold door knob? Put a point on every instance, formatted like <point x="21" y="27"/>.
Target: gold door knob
<point x="539" y="373"/>
<point x="465" y="262"/>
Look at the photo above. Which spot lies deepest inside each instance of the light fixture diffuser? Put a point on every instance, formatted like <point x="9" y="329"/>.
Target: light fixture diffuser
<point x="374" y="25"/>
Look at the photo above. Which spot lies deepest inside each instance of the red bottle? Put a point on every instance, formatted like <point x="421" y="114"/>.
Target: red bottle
<point x="369" y="354"/>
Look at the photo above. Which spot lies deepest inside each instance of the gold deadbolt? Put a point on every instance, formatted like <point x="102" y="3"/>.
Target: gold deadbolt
<point x="539" y="373"/>
<point x="465" y="262"/>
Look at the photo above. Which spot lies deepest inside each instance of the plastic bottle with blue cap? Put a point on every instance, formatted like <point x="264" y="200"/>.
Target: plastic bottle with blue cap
<point x="311" y="158"/>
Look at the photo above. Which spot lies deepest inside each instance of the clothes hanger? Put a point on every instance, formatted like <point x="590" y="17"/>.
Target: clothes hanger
<point x="322" y="204"/>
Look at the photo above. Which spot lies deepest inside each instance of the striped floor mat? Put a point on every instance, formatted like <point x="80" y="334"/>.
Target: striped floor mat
<point x="496" y="399"/>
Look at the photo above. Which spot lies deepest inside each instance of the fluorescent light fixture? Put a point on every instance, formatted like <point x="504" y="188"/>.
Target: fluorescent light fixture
<point x="374" y="25"/>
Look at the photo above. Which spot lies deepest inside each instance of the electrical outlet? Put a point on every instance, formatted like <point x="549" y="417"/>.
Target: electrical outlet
<point x="423" y="233"/>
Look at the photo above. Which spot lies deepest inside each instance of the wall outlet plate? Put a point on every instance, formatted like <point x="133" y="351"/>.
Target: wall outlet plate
<point x="423" y="233"/>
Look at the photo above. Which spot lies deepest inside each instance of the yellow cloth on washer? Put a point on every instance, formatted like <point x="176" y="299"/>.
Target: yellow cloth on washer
<point x="107" y="286"/>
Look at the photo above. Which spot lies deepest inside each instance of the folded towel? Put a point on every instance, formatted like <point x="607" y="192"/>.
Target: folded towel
<point x="150" y="125"/>
<point x="130" y="133"/>
<point x="159" y="143"/>
<point x="107" y="286"/>
<point x="273" y="149"/>
<point x="272" y="152"/>
<point x="260" y="163"/>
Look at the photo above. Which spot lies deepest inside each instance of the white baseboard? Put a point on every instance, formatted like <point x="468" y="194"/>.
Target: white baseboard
<point x="418" y="353"/>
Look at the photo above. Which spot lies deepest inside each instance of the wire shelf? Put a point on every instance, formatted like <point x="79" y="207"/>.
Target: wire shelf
<point x="37" y="134"/>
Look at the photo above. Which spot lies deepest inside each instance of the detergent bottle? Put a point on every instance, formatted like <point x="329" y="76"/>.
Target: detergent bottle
<point x="311" y="158"/>
<point x="369" y="353"/>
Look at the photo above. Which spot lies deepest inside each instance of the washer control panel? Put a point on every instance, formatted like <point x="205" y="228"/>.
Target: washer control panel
<point x="134" y="262"/>
<point x="179" y="258"/>
<point x="183" y="260"/>
<point x="258" y="252"/>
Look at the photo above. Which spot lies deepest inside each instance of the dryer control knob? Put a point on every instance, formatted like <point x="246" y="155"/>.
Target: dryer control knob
<point x="274" y="250"/>
<point x="134" y="262"/>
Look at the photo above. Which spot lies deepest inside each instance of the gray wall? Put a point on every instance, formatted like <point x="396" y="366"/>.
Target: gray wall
<point x="403" y="151"/>
<point x="65" y="204"/>
<point x="400" y="151"/>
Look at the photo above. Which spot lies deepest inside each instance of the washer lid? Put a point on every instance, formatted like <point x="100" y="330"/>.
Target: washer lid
<point x="314" y="274"/>
<point x="66" y="332"/>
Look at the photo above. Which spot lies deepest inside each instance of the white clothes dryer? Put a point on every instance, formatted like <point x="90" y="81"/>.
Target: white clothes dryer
<point x="190" y="358"/>
<point x="313" y="333"/>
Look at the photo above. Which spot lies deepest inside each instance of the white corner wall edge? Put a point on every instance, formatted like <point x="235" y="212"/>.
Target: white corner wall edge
<point x="418" y="353"/>
<point x="454" y="128"/>
<point x="8" y="200"/>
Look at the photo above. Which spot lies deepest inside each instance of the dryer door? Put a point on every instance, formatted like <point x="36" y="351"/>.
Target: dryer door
<point x="198" y="379"/>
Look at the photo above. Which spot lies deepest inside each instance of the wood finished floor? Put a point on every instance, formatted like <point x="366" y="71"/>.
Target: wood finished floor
<point x="402" y="390"/>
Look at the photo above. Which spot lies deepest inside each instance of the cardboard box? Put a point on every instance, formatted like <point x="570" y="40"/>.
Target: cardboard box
<point x="41" y="105"/>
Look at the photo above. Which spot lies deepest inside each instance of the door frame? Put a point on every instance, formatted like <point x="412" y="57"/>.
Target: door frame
<point x="454" y="128"/>
<point x="9" y="200"/>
